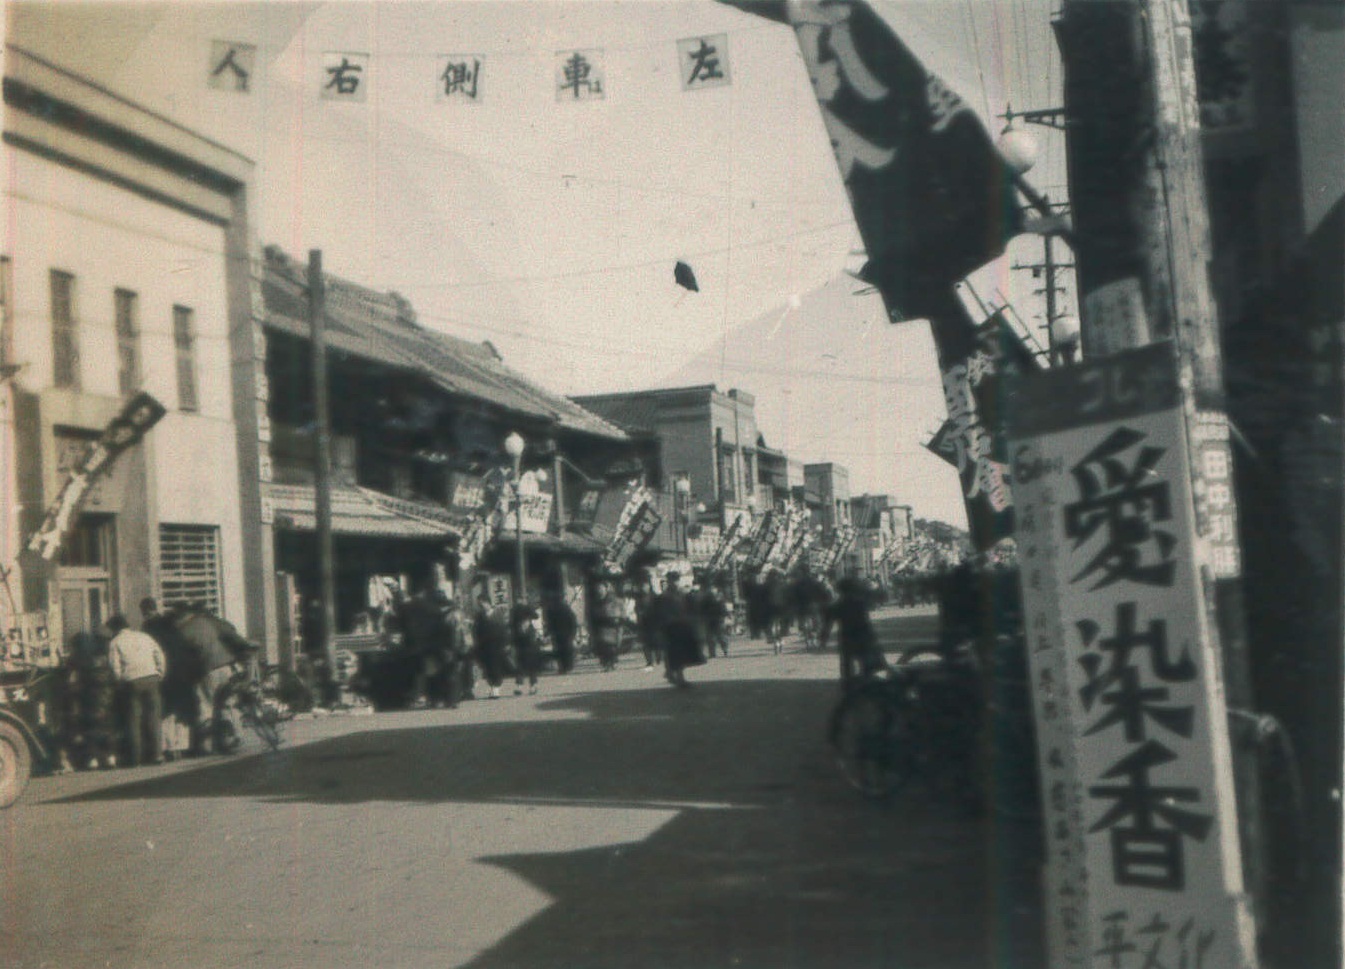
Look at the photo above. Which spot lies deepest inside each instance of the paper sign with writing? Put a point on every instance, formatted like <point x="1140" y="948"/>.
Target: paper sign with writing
<point x="1119" y="603"/>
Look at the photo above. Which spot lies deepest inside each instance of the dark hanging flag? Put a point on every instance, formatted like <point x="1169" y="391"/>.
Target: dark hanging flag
<point x="685" y="278"/>
<point x="930" y="193"/>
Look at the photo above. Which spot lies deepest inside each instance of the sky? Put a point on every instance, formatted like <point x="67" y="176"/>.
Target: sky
<point x="550" y="226"/>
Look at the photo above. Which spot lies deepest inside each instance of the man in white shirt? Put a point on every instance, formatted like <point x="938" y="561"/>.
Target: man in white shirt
<point x="138" y="662"/>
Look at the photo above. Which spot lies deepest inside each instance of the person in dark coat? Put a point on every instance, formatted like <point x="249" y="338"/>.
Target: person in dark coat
<point x="677" y="622"/>
<point x="606" y="623"/>
<point x="561" y="625"/>
<point x="490" y="629"/>
<point x="858" y="646"/>
<point x="427" y="640"/>
<point x="713" y="613"/>
<point x="218" y="646"/>
<point x="181" y="705"/>
<point x="91" y="716"/>
<point x="527" y="636"/>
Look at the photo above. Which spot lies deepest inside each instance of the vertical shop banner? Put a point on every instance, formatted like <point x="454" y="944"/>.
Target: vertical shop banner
<point x="728" y="543"/>
<point x="127" y="429"/>
<point x="1113" y="597"/>
<point x="765" y="536"/>
<point x="639" y="521"/>
<point x="972" y="438"/>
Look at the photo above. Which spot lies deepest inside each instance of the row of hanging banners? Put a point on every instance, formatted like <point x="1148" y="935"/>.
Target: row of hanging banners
<point x="578" y="75"/>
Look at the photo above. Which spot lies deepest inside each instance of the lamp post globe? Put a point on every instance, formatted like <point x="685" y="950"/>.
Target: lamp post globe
<point x="1064" y="336"/>
<point x="1019" y="148"/>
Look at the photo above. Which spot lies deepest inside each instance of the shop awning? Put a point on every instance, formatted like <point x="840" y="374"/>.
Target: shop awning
<point x="360" y="511"/>
<point x="574" y="543"/>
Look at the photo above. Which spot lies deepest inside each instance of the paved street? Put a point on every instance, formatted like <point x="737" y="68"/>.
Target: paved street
<point x="610" y="821"/>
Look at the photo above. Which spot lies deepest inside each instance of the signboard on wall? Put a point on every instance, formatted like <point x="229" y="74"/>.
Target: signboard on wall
<point x="536" y="514"/>
<point x="28" y="642"/>
<point x="1123" y="666"/>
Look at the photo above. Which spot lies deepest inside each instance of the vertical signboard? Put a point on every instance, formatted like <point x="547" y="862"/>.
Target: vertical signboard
<point x="1112" y="596"/>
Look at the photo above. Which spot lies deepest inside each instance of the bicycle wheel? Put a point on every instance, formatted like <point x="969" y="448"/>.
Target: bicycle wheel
<point x="263" y="723"/>
<point x="872" y="740"/>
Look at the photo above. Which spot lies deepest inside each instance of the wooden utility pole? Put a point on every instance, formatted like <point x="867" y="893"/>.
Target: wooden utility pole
<point x="1137" y="174"/>
<point x="322" y="468"/>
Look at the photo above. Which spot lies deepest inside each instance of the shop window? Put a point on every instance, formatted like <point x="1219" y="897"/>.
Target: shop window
<point x="184" y="341"/>
<point x="189" y="566"/>
<point x="128" y="341"/>
<point x="64" y="331"/>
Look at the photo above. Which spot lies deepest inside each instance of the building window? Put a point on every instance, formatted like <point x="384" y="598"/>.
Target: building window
<point x="64" y="334"/>
<point x="728" y="477"/>
<point x="89" y="544"/>
<point x="749" y="474"/>
<point x="189" y="570"/>
<point x="184" y="340"/>
<point x="128" y="342"/>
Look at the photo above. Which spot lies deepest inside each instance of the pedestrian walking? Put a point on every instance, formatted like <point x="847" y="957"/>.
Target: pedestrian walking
<point x="647" y="628"/>
<point x="490" y="630"/>
<point x="858" y="646"/>
<point x="426" y="639"/>
<point x="606" y="623"/>
<point x="527" y="638"/>
<point x="677" y="623"/>
<point x="561" y="625"/>
<point x="139" y="665"/>
<point x="712" y="608"/>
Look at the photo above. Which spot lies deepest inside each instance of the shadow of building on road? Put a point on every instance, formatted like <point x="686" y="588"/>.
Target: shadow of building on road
<point x="766" y="859"/>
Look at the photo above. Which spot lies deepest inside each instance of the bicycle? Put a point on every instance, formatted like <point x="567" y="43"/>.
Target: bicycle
<point x="254" y="698"/>
<point x="920" y="717"/>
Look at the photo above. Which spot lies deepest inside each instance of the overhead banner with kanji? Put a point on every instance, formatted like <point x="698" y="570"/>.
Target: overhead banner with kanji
<point x="1123" y="665"/>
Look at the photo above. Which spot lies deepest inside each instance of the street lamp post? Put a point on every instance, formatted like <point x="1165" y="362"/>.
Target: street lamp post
<point x="513" y="446"/>
<point x="681" y="495"/>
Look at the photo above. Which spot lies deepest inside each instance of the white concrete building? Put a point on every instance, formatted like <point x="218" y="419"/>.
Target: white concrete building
<point x="125" y="269"/>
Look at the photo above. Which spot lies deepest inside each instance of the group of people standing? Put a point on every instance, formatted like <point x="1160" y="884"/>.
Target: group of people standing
<point x="146" y="695"/>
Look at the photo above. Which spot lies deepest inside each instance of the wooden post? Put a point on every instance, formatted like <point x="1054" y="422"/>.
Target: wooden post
<point x="322" y="468"/>
<point x="1172" y="300"/>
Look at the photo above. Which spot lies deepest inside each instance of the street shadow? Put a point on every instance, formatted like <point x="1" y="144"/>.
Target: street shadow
<point x="768" y="860"/>
<point x="640" y="748"/>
